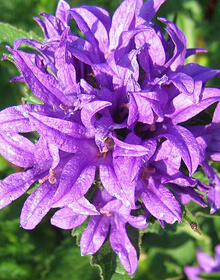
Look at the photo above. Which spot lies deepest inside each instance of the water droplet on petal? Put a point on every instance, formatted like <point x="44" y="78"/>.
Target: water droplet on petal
<point x="2" y="201"/>
<point x="28" y="216"/>
<point x="25" y="114"/>
<point x="127" y="203"/>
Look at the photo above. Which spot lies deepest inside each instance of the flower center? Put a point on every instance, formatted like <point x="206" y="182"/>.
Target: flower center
<point x="106" y="212"/>
<point x="108" y="146"/>
<point x="50" y="177"/>
<point x="147" y="172"/>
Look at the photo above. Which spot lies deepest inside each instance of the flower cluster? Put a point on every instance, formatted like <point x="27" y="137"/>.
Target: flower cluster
<point x="207" y="265"/>
<point x="114" y="142"/>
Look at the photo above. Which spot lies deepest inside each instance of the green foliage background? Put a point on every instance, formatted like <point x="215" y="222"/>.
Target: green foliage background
<point x="52" y="254"/>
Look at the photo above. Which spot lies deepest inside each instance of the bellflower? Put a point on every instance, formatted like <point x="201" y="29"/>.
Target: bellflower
<point x="207" y="264"/>
<point x="112" y="108"/>
<point x="112" y="213"/>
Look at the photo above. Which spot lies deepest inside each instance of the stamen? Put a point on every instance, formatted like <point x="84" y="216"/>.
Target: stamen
<point x="64" y="107"/>
<point x="50" y="177"/>
<point x="108" y="146"/>
<point x="106" y="212"/>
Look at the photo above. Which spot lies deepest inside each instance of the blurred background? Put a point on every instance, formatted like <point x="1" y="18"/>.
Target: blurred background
<point x="51" y="254"/>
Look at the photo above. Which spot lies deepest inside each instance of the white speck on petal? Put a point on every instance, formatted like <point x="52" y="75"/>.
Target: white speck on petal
<point x="25" y="114"/>
<point x="2" y="201"/>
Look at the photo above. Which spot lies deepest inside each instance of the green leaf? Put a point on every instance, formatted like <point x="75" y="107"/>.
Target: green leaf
<point x="109" y="263"/>
<point x="3" y="163"/>
<point x="10" y="270"/>
<point x="66" y="263"/>
<point x="105" y="259"/>
<point x="9" y="33"/>
<point x="29" y="97"/>
<point x="200" y="175"/>
<point x="210" y="276"/>
<point x="78" y="231"/>
<point x="191" y="220"/>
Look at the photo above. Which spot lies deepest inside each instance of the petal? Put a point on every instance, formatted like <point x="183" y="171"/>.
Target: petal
<point x="179" y="40"/>
<point x="122" y="246"/>
<point x="192" y="272"/>
<point x="66" y="71"/>
<point x="149" y="9"/>
<point x="51" y="26"/>
<point x="193" y="51"/>
<point x="74" y="214"/>
<point x="182" y="180"/>
<point x="62" y="10"/>
<point x="84" y="27"/>
<point x="206" y="262"/>
<point x="167" y="159"/>
<point x="126" y="43"/>
<point x="127" y="149"/>
<point x="17" y="149"/>
<point x="183" y="82"/>
<point x="217" y="251"/>
<point x="143" y="107"/>
<point x="214" y="194"/>
<point x="100" y="13"/>
<point x="152" y="47"/>
<point x="15" y="185"/>
<point x="122" y="20"/>
<point x="15" y="119"/>
<point x="127" y="169"/>
<point x="56" y="134"/>
<point x="43" y="85"/>
<point x="199" y="72"/>
<point x="186" y="144"/>
<point x="161" y="203"/>
<point x="113" y="186"/>
<point x="45" y="50"/>
<point x="182" y="108"/>
<point x="46" y="156"/>
<point x="137" y="221"/>
<point x="65" y="218"/>
<point x="37" y="205"/>
<point x="70" y="128"/>
<point x="76" y="179"/>
<point x="94" y="235"/>
<point x="91" y="15"/>
<point x="83" y="207"/>
<point x="89" y="110"/>
<point x="83" y="50"/>
<point x="187" y="194"/>
<point x="216" y="115"/>
<point x="126" y="67"/>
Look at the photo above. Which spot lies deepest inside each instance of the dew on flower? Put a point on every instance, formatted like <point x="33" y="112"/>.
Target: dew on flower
<point x="2" y="201"/>
<point x="25" y="114"/>
<point x="162" y="215"/>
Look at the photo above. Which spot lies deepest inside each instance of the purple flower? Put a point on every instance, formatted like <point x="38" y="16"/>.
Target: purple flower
<point x="112" y="214"/>
<point x="207" y="264"/>
<point x="100" y="120"/>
